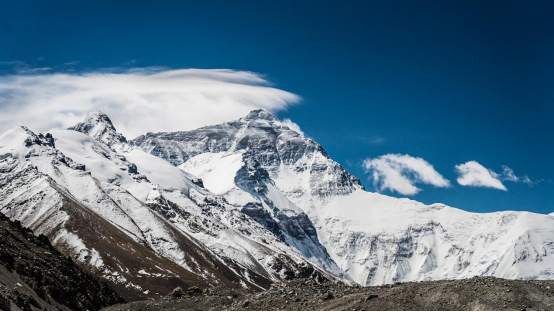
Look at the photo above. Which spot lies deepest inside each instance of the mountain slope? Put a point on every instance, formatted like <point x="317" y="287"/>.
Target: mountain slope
<point x="373" y="238"/>
<point x="234" y="235"/>
<point x="91" y="221"/>
<point x="35" y="276"/>
<point x="147" y="231"/>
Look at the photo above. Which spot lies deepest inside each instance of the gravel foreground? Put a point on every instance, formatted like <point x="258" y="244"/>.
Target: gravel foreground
<point x="479" y="293"/>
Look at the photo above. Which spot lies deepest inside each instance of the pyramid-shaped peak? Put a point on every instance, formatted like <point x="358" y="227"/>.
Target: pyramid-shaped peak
<point x="99" y="126"/>
<point x="260" y="114"/>
<point x="96" y="117"/>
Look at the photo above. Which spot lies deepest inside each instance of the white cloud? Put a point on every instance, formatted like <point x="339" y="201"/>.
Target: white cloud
<point x="137" y="100"/>
<point x="292" y="125"/>
<point x="508" y="174"/>
<point x="473" y="173"/>
<point x="401" y="173"/>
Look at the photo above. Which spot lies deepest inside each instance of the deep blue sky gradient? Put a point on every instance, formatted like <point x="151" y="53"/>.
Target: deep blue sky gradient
<point x="448" y="81"/>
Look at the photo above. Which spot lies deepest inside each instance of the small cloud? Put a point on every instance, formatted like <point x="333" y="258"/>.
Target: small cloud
<point x="474" y="174"/>
<point x="400" y="173"/>
<point x="508" y="174"/>
<point x="293" y="126"/>
<point x="526" y="180"/>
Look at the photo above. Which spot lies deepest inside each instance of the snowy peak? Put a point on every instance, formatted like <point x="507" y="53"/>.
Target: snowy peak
<point x="99" y="126"/>
<point x="375" y="239"/>
<point x="282" y="152"/>
<point x="259" y="114"/>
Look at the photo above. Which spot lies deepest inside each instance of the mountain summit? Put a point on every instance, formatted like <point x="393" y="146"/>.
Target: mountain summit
<point x="375" y="239"/>
<point x="99" y="126"/>
<point x="260" y="114"/>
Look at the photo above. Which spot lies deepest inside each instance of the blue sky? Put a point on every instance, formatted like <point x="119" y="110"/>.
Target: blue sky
<point x="446" y="81"/>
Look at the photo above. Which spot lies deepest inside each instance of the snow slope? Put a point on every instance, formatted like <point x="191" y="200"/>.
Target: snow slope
<point x="48" y="207"/>
<point x="373" y="238"/>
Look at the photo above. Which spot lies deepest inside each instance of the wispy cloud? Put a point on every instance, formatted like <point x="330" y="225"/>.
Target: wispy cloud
<point x="508" y="175"/>
<point x="401" y="173"/>
<point x="293" y="126"/>
<point x="369" y="140"/>
<point x="528" y="181"/>
<point x="138" y="100"/>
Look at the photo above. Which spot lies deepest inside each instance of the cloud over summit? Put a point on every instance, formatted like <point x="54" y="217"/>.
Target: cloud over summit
<point x="137" y="100"/>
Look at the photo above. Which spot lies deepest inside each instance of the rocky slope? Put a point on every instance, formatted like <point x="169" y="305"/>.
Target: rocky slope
<point x="480" y="293"/>
<point x="35" y="276"/>
<point x="264" y="168"/>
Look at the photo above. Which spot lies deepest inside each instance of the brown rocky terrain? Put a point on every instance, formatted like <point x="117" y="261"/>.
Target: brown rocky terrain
<point x="35" y="276"/>
<point x="479" y="293"/>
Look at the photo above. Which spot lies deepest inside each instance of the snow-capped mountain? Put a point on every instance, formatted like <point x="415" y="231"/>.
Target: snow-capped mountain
<point x="243" y="204"/>
<point x="133" y="218"/>
<point x="265" y="169"/>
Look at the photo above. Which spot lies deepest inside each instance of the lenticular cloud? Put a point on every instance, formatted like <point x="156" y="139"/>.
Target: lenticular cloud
<point x="139" y="100"/>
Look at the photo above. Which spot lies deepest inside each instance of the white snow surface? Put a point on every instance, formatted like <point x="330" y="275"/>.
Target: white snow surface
<point x="217" y="170"/>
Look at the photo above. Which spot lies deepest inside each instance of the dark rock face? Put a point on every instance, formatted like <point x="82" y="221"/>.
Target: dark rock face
<point x="41" y="139"/>
<point x="257" y="212"/>
<point x="42" y="276"/>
